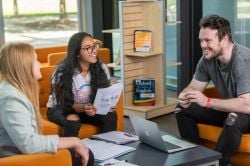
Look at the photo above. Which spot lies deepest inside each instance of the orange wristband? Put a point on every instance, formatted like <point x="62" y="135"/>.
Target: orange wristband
<point x="208" y="102"/>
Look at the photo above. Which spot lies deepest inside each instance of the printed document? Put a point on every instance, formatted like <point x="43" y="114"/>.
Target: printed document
<point x="103" y="150"/>
<point x="115" y="162"/>
<point x="106" y="98"/>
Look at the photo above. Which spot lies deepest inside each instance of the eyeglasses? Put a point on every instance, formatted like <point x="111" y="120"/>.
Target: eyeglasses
<point x="90" y="49"/>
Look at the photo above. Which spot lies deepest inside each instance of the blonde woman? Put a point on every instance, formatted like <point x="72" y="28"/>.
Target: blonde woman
<point x="20" y="119"/>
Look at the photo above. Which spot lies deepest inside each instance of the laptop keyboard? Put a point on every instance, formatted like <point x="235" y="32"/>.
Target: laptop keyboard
<point x="171" y="146"/>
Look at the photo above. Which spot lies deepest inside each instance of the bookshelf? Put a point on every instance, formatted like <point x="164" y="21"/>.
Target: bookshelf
<point x="144" y="15"/>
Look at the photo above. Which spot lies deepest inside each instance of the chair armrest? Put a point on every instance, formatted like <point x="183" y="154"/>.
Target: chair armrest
<point x="42" y="53"/>
<point x="55" y="58"/>
<point x="212" y="92"/>
<point x="62" y="158"/>
<point x="119" y="111"/>
<point x="50" y="128"/>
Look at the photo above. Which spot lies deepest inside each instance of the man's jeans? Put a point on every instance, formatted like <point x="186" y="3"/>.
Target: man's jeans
<point x="233" y="127"/>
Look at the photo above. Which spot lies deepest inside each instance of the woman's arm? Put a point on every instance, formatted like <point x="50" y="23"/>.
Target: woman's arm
<point x="19" y="122"/>
<point x="79" y="147"/>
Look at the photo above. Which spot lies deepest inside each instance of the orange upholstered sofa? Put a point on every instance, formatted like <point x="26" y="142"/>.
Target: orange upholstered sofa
<point x="209" y="135"/>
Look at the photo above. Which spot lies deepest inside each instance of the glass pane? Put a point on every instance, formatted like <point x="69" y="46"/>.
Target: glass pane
<point x="40" y="23"/>
<point x="116" y="39"/>
<point x="237" y="12"/>
<point x="171" y="48"/>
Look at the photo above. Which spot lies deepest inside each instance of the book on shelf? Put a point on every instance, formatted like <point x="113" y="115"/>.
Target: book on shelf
<point x="116" y="137"/>
<point x="142" y="40"/>
<point x="144" y="92"/>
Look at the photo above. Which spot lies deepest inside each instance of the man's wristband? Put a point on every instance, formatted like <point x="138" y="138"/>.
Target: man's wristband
<point x="208" y="103"/>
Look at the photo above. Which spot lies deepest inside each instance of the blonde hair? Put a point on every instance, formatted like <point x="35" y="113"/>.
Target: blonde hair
<point x="17" y="67"/>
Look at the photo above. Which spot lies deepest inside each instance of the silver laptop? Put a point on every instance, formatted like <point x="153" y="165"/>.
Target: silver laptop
<point x="149" y="133"/>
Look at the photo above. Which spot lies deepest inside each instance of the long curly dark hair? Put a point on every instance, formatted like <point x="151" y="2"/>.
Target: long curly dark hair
<point x="66" y="69"/>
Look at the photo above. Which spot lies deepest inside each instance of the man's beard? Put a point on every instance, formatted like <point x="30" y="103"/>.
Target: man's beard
<point x="218" y="54"/>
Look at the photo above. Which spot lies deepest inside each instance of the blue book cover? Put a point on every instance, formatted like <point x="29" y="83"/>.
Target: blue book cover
<point x="144" y="92"/>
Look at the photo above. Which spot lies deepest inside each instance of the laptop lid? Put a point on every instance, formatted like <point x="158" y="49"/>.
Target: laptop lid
<point x="144" y="129"/>
<point x="149" y="133"/>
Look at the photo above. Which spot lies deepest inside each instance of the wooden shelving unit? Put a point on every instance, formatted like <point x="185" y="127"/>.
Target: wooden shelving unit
<point x="143" y="15"/>
<point x="113" y="65"/>
<point x="142" y="54"/>
<point x="173" y="63"/>
<point x="111" y="31"/>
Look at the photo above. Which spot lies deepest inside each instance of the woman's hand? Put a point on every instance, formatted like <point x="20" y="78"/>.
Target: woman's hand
<point x="90" y="109"/>
<point x="78" y="107"/>
<point x="79" y="148"/>
<point x="114" y="108"/>
<point x="82" y="151"/>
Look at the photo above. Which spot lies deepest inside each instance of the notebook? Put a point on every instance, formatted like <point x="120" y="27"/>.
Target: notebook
<point x="104" y="150"/>
<point x="149" y="133"/>
<point x="116" y="137"/>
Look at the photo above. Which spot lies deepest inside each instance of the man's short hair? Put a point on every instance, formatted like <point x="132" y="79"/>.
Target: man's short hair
<point x="219" y="23"/>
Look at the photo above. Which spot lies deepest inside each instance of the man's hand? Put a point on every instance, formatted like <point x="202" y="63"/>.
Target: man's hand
<point x="197" y="97"/>
<point x="184" y="100"/>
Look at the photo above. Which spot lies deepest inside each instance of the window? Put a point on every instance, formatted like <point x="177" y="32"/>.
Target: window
<point x="237" y="12"/>
<point x="171" y="47"/>
<point x="40" y="23"/>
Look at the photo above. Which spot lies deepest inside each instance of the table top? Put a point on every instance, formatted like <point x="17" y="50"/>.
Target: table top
<point x="145" y="155"/>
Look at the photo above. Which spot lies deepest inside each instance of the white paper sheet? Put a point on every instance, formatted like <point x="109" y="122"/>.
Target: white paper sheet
<point x="106" y="98"/>
<point x="103" y="150"/>
<point x="115" y="162"/>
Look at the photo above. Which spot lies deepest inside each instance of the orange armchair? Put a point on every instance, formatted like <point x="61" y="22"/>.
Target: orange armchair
<point x="62" y="158"/>
<point x="209" y="135"/>
<point x="55" y="57"/>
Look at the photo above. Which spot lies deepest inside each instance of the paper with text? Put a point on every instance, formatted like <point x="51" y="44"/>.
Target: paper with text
<point x="106" y="98"/>
<point x="103" y="150"/>
<point x="116" y="162"/>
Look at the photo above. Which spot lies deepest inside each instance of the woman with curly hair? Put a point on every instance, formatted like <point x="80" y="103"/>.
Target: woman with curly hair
<point x="74" y="85"/>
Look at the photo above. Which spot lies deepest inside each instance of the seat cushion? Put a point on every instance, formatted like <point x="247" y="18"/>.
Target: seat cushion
<point x="43" y="111"/>
<point x="50" y="128"/>
<point x="211" y="133"/>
